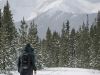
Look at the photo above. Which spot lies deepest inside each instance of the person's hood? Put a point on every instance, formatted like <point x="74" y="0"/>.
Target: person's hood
<point x="28" y="48"/>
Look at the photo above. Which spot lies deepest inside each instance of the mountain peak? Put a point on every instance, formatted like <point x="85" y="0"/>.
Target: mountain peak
<point x="32" y="8"/>
<point x="66" y="6"/>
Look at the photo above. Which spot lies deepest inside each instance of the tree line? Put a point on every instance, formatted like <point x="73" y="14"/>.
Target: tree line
<point x="72" y="48"/>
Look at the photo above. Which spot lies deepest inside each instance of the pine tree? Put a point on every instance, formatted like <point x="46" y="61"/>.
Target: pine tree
<point x="32" y="35"/>
<point x="23" y="31"/>
<point x="0" y="28"/>
<point x="97" y="42"/>
<point x="64" y="45"/>
<point x="48" y="48"/>
<point x="84" y="47"/>
<point x="72" y="49"/>
<point x="8" y="34"/>
<point x="8" y="23"/>
<point x="44" y="53"/>
<point x="34" y="40"/>
<point x="0" y="37"/>
<point x="77" y="52"/>
<point x="55" y="49"/>
<point x="62" y="51"/>
<point x="0" y="18"/>
<point x="93" y="44"/>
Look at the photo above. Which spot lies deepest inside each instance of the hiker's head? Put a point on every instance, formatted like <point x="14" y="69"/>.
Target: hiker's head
<point x="28" y="48"/>
<point x="28" y="45"/>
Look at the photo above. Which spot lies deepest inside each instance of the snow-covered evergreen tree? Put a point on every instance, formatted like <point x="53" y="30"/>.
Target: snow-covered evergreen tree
<point x="33" y="39"/>
<point x="84" y="47"/>
<point x="48" y="48"/>
<point x="8" y="34"/>
<point x="72" y="49"/>
<point x="97" y="42"/>
<point x="55" y="49"/>
<point x="44" y="53"/>
<point x="64" y="56"/>
<point x="23" y="33"/>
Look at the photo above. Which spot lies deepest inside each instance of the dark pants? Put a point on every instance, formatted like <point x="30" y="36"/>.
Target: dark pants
<point x="26" y="72"/>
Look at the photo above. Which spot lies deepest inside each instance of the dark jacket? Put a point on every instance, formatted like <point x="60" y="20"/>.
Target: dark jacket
<point x="30" y="50"/>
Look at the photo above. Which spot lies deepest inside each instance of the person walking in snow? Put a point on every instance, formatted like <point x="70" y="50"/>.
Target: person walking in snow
<point x="26" y="61"/>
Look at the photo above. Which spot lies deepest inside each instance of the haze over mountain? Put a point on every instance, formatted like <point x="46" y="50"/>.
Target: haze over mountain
<point x="53" y="13"/>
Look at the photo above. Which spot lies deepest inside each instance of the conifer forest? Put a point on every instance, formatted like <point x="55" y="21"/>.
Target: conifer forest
<point x="75" y="48"/>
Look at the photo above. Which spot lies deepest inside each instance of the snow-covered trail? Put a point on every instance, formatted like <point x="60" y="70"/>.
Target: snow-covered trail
<point x="68" y="71"/>
<point x="65" y="71"/>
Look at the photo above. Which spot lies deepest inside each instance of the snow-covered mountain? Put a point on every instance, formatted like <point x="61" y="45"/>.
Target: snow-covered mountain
<point x="53" y="13"/>
<point x="33" y="8"/>
<point x="66" y="6"/>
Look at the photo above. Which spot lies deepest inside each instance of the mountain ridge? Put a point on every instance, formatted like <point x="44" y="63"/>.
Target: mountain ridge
<point x="53" y="13"/>
<point x="33" y="8"/>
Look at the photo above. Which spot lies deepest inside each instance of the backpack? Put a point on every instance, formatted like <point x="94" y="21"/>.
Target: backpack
<point x="26" y="61"/>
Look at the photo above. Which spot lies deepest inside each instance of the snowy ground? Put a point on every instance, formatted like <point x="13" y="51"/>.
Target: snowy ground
<point x="65" y="71"/>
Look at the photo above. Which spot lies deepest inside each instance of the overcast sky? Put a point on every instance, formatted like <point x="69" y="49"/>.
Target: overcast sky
<point x="96" y="1"/>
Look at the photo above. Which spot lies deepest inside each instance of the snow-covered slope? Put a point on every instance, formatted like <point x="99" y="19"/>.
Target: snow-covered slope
<point x="65" y="71"/>
<point x="66" y="6"/>
<point x="51" y="7"/>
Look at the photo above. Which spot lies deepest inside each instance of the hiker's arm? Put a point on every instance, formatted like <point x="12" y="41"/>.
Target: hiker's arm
<point x="33" y="63"/>
<point x="18" y="64"/>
